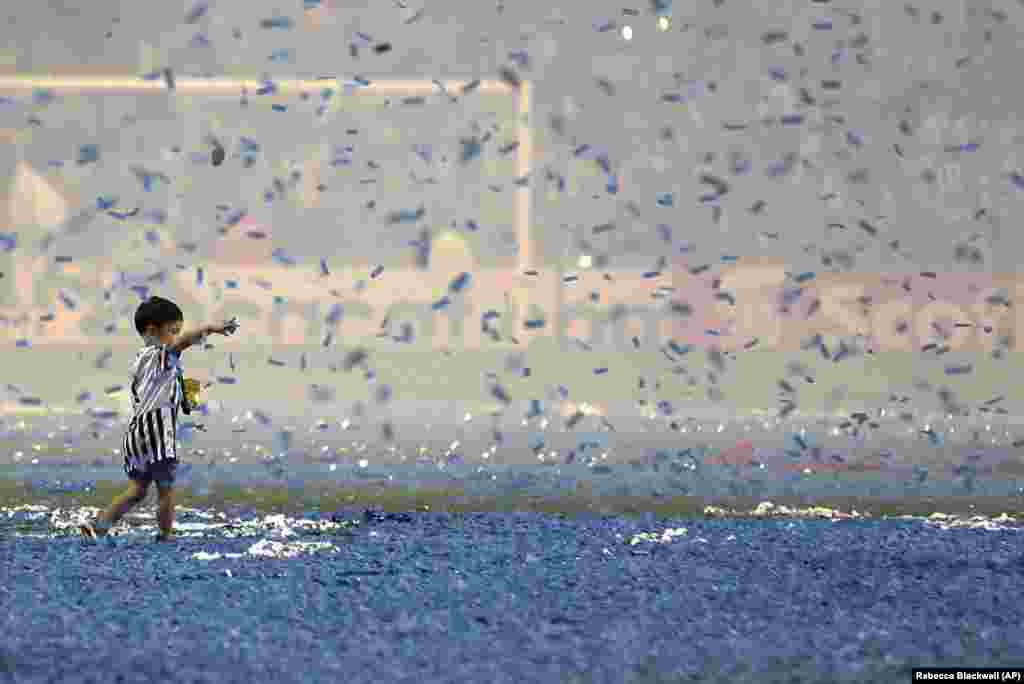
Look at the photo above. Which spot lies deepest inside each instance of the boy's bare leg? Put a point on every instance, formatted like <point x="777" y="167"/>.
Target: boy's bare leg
<point x="165" y="511"/>
<point x="124" y="502"/>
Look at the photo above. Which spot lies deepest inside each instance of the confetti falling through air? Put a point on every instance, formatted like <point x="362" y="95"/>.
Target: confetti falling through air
<point x="820" y="153"/>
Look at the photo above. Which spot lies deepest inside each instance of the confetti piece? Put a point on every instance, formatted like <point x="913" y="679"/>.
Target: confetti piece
<point x="88" y="154"/>
<point x="407" y="215"/>
<point x="8" y="241"/>
<point x="959" y="369"/>
<point x="278" y="22"/>
<point x="471" y="148"/>
<point x="197" y="12"/>
<point x="280" y="257"/>
<point x="441" y="303"/>
<point x="376" y="272"/>
<point x="459" y="283"/>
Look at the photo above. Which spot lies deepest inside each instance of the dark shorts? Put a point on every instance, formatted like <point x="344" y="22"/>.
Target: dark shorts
<point x="162" y="472"/>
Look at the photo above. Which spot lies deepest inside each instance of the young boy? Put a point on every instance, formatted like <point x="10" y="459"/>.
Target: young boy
<point x="157" y="393"/>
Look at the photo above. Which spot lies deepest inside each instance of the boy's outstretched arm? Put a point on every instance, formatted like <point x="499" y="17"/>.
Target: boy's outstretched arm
<point x="190" y="337"/>
<point x="187" y="339"/>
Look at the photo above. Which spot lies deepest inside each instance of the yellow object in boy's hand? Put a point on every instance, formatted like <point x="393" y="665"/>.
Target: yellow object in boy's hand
<point x="192" y="389"/>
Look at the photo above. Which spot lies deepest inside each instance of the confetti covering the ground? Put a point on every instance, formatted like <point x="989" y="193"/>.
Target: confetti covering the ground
<point x="369" y="596"/>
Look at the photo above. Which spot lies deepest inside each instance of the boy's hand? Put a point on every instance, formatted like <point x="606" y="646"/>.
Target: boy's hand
<point x="225" y="328"/>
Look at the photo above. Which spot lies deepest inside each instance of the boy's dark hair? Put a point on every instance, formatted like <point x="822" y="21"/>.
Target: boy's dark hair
<point x="156" y="311"/>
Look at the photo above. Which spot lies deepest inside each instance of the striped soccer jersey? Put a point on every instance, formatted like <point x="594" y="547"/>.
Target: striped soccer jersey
<point x="156" y="391"/>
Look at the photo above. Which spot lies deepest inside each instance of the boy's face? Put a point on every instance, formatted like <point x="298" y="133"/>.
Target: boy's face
<point x="166" y="333"/>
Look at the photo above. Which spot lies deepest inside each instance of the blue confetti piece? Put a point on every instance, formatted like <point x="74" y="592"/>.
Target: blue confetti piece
<point x="140" y="290"/>
<point x="441" y="303"/>
<point x="729" y="259"/>
<point x="613" y="185"/>
<point x="603" y="163"/>
<point x="199" y="276"/>
<point x="499" y="393"/>
<point x="777" y="73"/>
<point x="534" y="323"/>
<point x="22" y="344"/>
<point x="279" y="108"/>
<point x="581" y="150"/>
<point x="804" y="277"/>
<point x="664" y="232"/>
<point x="470" y="150"/>
<point x="459" y="283"/>
<point x="157" y="216"/>
<point x="792" y="119"/>
<point x="665" y="200"/>
<point x="197" y="12"/>
<point x="472" y="225"/>
<point x="822" y="25"/>
<point x="268" y="88"/>
<point x="520" y="57"/>
<point x="280" y="257"/>
<point x="280" y="55"/>
<point x="199" y="41"/>
<point x="741" y="167"/>
<point x="231" y="284"/>
<point x="1017" y="180"/>
<point x="673" y="98"/>
<point x="123" y="215"/>
<point x="323" y="267"/>
<point x="713" y="333"/>
<point x="934" y="438"/>
<point x="406" y="215"/>
<point x="104" y="203"/>
<point x="605" y="27"/>
<point x="963" y="369"/>
<point x="8" y="241"/>
<point x="535" y="410"/>
<point x="87" y="154"/>
<point x="424" y="152"/>
<point x="854" y="139"/>
<point x="680" y="350"/>
<point x="708" y="198"/>
<point x="335" y="315"/>
<point x="600" y="371"/>
<point x="276" y="23"/>
<point x="42" y="96"/>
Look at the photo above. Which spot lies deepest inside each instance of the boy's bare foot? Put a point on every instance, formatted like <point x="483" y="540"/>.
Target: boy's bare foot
<point x="90" y="532"/>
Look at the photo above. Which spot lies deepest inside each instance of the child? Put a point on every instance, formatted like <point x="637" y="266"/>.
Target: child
<point x="157" y="394"/>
